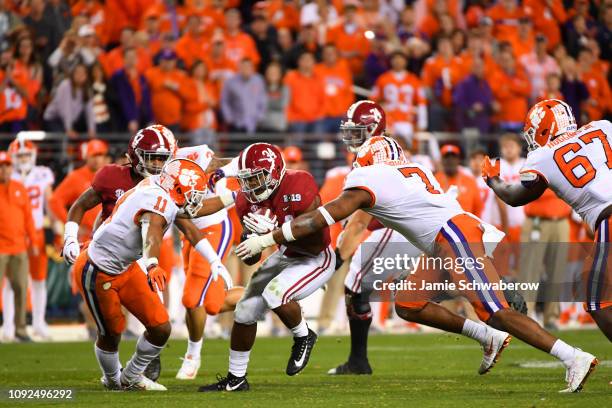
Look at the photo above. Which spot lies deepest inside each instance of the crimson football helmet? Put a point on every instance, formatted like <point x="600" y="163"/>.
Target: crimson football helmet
<point x="150" y="149"/>
<point x="380" y="150"/>
<point x="546" y="120"/>
<point x="364" y="119"/>
<point x="23" y="153"/>
<point x="261" y="168"/>
<point x="185" y="182"/>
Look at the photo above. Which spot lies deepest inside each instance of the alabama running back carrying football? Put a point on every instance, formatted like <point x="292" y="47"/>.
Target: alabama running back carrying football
<point x="435" y="223"/>
<point x="577" y="165"/>
<point x="269" y="195"/>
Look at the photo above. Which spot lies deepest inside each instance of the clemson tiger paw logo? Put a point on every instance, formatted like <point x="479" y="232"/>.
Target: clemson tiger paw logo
<point x="537" y="115"/>
<point x="188" y="177"/>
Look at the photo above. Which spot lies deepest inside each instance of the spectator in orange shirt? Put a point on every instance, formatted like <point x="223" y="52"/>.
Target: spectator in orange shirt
<point x="112" y="61"/>
<point x="552" y="89"/>
<point x="198" y="115"/>
<point x="283" y="14"/>
<point x="172" y="16"/>
<point x="238" y="45"/>
<point x="13" y="104"/>
<point x="190" y="46"/>
<point x="547" y="16"/>
<point x="511" y="90"/>
<point x="338" y="87"/>
<point x="600" y="100"/>
<point x="220" y="67"/>
<point x="506" y="15"/>
<point x="307" y="41"/>
<point x="16" y="232"/>
<point x="95" y="154"/>
<point x="350" y="39"/>
<point x="28" y="72"/>
<point x="524" y="42"/>
<point x="167" y="84"/>
<point x="538" y="65"/>
<point x="151" y="28"/>
<point x="306" y="97"/>
<point x="452" y="175"/>
<point x="475" y="50"/>
<point x="401" y="95"/>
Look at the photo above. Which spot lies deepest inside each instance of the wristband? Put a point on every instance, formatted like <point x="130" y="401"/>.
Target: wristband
<point x="228" y="198"/>
<point x="71" y="229"/>
<point x="328" y="218"/>
<point x="231" y="169"/>
<point x="287" y="234"/>
<point x="268" y="239"/>
<point x="151" y="262"/>
<point x="206" y="250"/>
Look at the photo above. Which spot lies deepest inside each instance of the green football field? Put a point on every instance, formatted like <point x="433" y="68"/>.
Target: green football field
<point x="433" y="370"/>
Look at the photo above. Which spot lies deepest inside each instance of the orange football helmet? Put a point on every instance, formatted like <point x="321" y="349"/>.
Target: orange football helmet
<point x="546" y="120"/>
<point x="380" y="150"/>
<point x="185" y="182"/>
<point x="23" y="153"/>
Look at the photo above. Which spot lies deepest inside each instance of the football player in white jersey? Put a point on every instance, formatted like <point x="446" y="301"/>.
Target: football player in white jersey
<point x="38" y="180"/>
<point x="433" y="221"/>
<point x="201" y="295"/>
<point x="120" y="267"/>
<point x="577" y="165"/>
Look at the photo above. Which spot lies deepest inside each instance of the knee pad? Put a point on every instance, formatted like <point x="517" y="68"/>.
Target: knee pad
<point x="249" y="310"/>
<point x="357" y="305"/>
<point x="272" y="295"/>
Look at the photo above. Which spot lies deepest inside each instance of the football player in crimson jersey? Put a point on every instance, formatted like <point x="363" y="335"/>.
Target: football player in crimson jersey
<point x="110" y="271"/>
<point x="364" y="119"/>
<point x="271" y="194"/>
<point x="38" y="180"/>
<point x="434" y="222"/>
<point x="576" y="164"/>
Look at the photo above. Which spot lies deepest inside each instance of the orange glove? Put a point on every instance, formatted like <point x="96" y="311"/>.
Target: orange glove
<point x="156" y="277"/>
<point x="490" y="170"/>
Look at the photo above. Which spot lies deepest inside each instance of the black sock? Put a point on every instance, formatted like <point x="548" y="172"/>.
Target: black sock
<point x="359" y="339"/>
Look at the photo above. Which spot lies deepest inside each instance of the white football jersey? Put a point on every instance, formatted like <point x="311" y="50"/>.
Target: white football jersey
<point x="578" y="167"/>
<point x="118" y="242"/>
<point x="202" y="155"/>
<point x="407" y="199"/>
<point x="511" y="173"/>
<point x="490" y="209"/>
<point x="36" y="182"/>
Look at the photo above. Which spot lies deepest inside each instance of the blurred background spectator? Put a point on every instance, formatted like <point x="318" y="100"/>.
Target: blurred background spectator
<point x="277" y="93"/>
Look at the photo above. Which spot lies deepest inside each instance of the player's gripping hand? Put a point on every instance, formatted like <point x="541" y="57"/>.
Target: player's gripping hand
<point x="490" y="170"/>
<point x="260" y="224"/>
<point x="156" y="277"/>
<point x="254" y="245"/>
<point x="214" y="177"/>
<point x="71" y="249"/>
<point x="218" y="269"/>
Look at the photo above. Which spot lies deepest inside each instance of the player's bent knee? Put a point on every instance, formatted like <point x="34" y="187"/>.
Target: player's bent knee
<point x="407" y="310"/>
<point x="161" y="332"/>
<point x="357" y="305"/>
<point x="212" y="308"/>
<point x="272" y="298"/>
<point x="248" y="311"/>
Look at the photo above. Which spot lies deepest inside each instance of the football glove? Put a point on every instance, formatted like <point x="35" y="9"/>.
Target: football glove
<point x="490" y="170"/>
<point x="254" y="245"/>
<point x="260" y="224"/>
<point x="71" y="249"/>
<point x="218" y="269"/>
<point x="156" y="277"/>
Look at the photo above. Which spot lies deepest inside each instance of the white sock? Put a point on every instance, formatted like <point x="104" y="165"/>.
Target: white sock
<point x="194" y="348"/>
<point x="238" y="362"/>
<point x="8" y="310"/>
<point x="109" y="363"/>
<point x="39" y="303"/>
<point x="563" y="351"/>
<point x="300" y="330"/>
<point x="145" y="353"/>
<point x="474" y="330"/>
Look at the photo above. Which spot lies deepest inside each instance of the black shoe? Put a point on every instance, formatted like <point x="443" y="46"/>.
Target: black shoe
<point x="300" y="352"/>
<point x="229" y="383"/>
<point x="153" y="370"/>
<point x="350" y="368"/>
<point x="23" y="338"/>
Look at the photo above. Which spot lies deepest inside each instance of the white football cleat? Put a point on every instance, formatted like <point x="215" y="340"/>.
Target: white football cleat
<point x="576" y="374"/>
<point x="141" y="384"/>
<point x="110" y="384"/>
<point x="493" y="346"/>
<point x="189" y="369"/>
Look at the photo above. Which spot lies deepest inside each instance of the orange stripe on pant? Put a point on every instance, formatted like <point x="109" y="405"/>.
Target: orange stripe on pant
<point x="104" y="295"/>
<point x="459" y="240"/>
<point x="200" y="289"/>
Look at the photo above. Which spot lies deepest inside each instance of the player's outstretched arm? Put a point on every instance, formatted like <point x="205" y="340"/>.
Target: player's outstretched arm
<point x="531" y="187"/>
<point x="86" y="201"/>
<point x="217" y="163"/>
<point x="152" y="228"/>
<point x="308" y="223"/>
<point x="217" y="203"/>
<point x="351" y="236"/>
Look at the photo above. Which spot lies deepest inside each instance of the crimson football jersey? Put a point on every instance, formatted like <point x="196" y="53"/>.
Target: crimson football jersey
<point x="293" y="197"/>
<point x="111" y="182"/>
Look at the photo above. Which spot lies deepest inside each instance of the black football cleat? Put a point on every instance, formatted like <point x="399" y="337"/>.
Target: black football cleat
<point x="229" y="383"/>
<point x="300" y="352"/>
<point x="153" y="370"/>
<point x="350" y="368"/>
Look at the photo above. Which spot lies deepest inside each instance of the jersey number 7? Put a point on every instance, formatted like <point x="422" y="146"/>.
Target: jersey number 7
<point x="416" y="172"/>
<point x="567" y="166"/>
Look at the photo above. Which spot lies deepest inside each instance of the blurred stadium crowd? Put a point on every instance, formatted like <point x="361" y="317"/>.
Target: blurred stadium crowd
<point x="89" y="68"/>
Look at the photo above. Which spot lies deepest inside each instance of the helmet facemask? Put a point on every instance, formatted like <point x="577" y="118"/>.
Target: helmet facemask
<point x="529" y="136"/>
<point x="194" y="200"/>
<point x="257" y="185"/>
<point x="151" y="162"/>
<point x="354" y="135"/>
<point x="24" y="161"/>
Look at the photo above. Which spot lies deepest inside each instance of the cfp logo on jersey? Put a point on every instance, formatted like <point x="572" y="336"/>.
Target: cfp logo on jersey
<point x="269" y="156"/>
<point x="118" y="193"/>
<point x="288" y="198"/>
